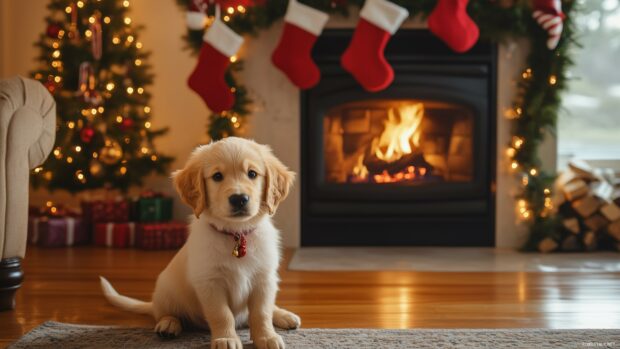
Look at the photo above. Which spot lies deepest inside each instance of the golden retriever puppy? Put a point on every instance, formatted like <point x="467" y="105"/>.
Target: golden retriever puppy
<point x="226" y="275"/>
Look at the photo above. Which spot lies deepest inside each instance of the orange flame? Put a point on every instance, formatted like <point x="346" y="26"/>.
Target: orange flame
<point x="399" y="135"/>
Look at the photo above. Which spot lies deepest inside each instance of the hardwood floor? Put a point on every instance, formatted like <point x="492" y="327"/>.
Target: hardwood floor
<point x="62" y="285"/>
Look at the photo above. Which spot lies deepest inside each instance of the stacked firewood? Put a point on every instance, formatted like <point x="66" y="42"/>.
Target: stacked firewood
<point x="588" y="202"/>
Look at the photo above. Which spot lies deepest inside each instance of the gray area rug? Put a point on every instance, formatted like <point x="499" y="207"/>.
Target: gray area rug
<point x="449" y="259"/>
<point x="60" y="335"/>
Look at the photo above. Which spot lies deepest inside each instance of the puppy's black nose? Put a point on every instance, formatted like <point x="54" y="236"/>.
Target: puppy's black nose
<point x="238" y="201"/>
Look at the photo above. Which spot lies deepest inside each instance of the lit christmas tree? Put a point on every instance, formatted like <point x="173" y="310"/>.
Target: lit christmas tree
<point x="95" y="67"/>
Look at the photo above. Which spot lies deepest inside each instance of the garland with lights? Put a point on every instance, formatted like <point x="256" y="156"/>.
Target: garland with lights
<point x="535" y="107"/>
<point x="92" y="62"/>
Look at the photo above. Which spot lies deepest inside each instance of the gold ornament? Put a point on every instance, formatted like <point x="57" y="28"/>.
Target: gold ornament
<point x="111" y="152"/>
<point x="95" y="168"/>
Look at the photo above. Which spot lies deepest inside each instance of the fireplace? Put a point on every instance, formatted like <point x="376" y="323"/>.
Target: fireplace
<point x="413" y="164"/>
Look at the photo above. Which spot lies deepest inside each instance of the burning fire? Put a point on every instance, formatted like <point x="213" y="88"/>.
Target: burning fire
<point x="401" y="136"/>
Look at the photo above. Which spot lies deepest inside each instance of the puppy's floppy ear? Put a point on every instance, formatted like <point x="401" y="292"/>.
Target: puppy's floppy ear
<point x="278" y="180"/>
<point x="190" y="184"/>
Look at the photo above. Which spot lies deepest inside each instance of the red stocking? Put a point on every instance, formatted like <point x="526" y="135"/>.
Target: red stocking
<point x="364" y="59"/>
<point x="195" y="17"/>
<point x="207" y="79"/>
<point x="451" y="23"/>
<point x="548" y="13"/>
<point x="302" y="26"/>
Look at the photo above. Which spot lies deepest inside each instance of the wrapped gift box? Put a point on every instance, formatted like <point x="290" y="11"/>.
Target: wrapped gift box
<point x="57" y="231"/>
<point x="161" y="236"/>
<point x="152" y="207"/>
<point x="111" y="234"/>
<point x="108" y="211"/>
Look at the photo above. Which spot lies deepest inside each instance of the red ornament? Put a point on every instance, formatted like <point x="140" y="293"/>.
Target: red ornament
<point x="53" y="30"/>
<point x="127" y="124"/>
<point x="51" y="86"/>
<point x="87" y="134"/>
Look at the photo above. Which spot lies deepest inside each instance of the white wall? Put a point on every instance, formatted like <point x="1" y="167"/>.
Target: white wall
<point x="275" y="117"/>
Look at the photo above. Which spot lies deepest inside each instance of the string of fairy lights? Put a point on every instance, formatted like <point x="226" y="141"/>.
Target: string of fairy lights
<point x="533" y="115"/>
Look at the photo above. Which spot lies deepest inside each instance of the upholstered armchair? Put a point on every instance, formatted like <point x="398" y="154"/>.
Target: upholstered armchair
<point x="27" y="132"/>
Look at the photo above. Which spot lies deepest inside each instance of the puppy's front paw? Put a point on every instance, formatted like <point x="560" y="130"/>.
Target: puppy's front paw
<point x="226" y="343"/>
<point x="273" y="341"/>
<point x="286" y="320"/>
<point x="168" y="327"/>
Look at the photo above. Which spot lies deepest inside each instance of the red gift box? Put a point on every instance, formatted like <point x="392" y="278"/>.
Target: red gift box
<point x="57" y="231"/>
<point x="161" y="236"/>
<point x="121" y="235"/>
<point x="98" y="211"/>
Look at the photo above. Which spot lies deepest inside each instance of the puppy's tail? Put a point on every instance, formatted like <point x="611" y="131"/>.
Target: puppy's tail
<point x="124" y="302"/>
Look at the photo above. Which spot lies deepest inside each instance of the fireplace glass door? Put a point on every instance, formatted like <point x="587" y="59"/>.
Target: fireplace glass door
<point x="412" y="164"/>
<point x="398" y="142"/>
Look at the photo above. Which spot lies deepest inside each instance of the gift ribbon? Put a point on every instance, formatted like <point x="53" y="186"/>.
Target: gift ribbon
<point x="70" y="230"/>
<point x="109" y="234"/>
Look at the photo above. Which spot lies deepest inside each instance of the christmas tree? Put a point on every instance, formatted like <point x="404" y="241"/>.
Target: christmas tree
<point x="94" y="65"/>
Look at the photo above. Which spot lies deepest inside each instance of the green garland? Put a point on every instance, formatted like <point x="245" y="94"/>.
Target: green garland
<point x="535" y="108"/>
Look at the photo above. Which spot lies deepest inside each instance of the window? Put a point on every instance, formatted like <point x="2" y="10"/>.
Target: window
<point x="589" y="122"/>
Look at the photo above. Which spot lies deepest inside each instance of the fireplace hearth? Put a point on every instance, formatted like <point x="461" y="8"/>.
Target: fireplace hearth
<point x="413" y="164"/>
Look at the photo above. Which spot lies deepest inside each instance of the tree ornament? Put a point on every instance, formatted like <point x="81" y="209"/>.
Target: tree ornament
<point x="74" y="33"/>
<point x="52" y="31"/>
<point x="450" y="22"/>
<point x="96" y="40"/>
<point x="87" y="85"/>
<point x="51" y="86"/>
<point x="95" y="168"/>
<point x="364" y="58"/>
<point x="207" y="79"/>
<point x="86" y="134"/>
<point x="111" y="153"/>
<point x="127" y="124"/>
<point x="302" y="26"/>
<point x="549" y="15"/>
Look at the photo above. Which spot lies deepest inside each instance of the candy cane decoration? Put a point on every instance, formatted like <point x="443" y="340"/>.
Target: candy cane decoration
<point x="96" y="38"/>
<point x="74" y="33"/>
<point x="548" y="14"/>
<point x="87" y="84"/>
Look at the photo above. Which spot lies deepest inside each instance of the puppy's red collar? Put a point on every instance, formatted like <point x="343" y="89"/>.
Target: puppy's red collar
<point x="240" y="248"/>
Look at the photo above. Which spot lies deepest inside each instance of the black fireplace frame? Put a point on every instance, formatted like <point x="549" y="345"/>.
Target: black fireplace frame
<point x="447" y="214"/>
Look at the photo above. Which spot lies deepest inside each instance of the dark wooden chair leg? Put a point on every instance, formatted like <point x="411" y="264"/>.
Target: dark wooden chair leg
<point x="11" y="276"/>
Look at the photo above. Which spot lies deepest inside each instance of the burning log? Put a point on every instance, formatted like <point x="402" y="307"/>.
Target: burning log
<point x="377" y="166"/>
